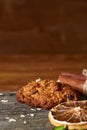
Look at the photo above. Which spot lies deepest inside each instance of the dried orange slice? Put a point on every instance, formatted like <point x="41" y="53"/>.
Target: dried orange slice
<point x="72" y="114"/>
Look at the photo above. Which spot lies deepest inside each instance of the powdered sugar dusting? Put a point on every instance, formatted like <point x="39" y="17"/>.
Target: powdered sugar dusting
<point x="39" y="79"/>
<point x="4" y="101"/>
<point x="32" y="109"/>
<point x="12" y="120"/>
<point x="1" y="94"/>
<point x="22" y="116"/>
<point x="31" y="115"/>
<point x="39" y="109"/>
<point x="25" y="122"/>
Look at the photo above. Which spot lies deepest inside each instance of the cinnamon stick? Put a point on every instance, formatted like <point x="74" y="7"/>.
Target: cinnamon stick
<point x="76" y="81"/>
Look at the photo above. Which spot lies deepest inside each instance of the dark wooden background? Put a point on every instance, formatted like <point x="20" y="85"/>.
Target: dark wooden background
<point x="41" y="38"/>
<point x="43" y="26"/>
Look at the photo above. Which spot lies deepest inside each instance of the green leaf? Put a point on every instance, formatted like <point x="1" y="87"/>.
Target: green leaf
<point x="59" y="128"/>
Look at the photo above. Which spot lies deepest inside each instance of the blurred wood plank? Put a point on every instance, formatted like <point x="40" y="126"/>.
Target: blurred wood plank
<point x="43" y="26"/>
<point x="18" y="70"/>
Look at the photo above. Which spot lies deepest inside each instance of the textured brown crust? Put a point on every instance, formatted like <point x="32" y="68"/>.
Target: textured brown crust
<point x="45" y="93"/>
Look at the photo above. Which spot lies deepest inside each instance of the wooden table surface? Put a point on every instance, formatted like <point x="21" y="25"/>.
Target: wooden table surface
<point x="18" y="70"/>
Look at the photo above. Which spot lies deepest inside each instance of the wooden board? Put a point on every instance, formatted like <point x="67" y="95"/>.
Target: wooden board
<point x="17" y="116"/>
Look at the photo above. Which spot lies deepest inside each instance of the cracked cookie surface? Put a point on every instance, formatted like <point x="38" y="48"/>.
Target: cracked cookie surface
<point x="45" y="93"/>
